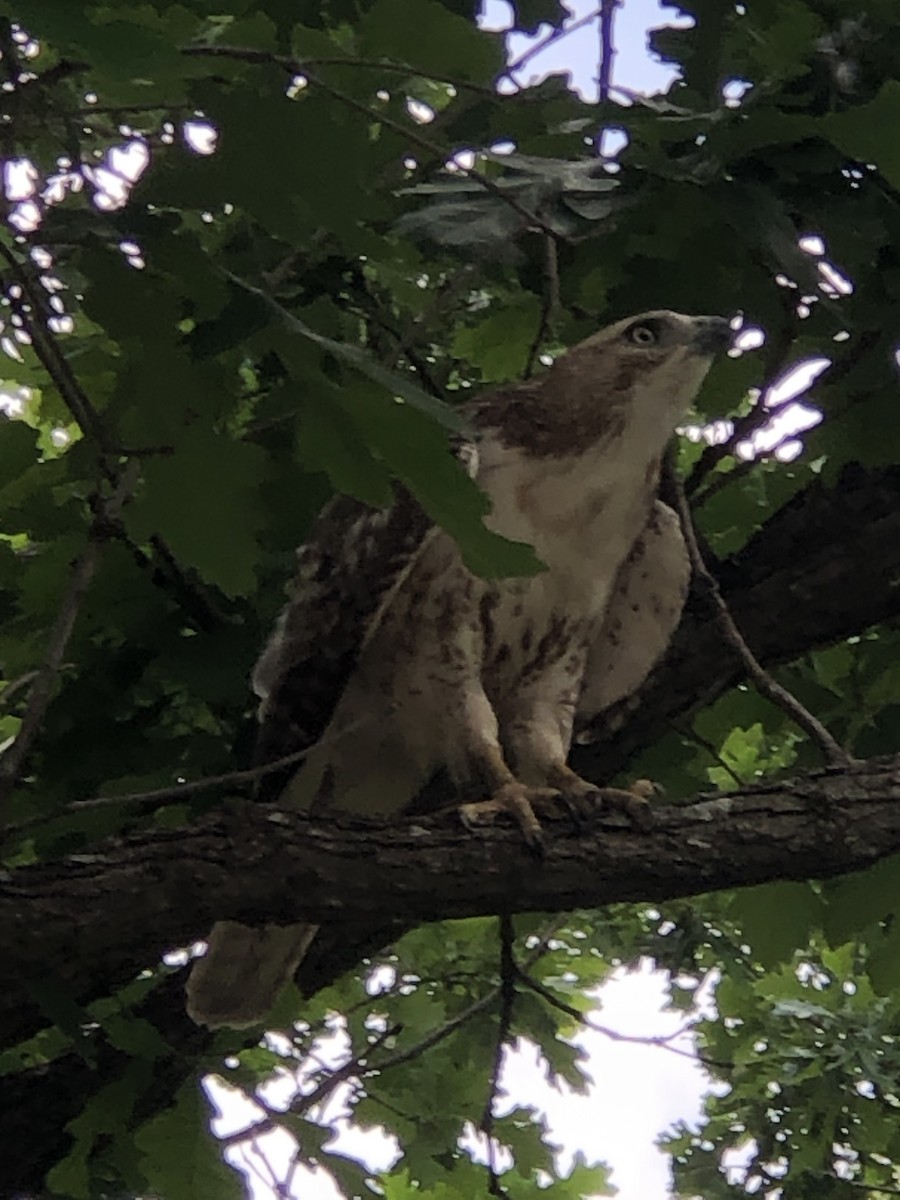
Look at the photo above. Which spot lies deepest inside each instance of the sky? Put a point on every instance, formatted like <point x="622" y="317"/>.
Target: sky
<point x="639" y="1090"/>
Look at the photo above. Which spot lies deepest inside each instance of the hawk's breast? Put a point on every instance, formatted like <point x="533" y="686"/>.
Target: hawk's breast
<point x="583" y="522"/>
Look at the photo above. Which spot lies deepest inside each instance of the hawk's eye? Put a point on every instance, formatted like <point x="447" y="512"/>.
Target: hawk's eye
<point x="643" y="334"/>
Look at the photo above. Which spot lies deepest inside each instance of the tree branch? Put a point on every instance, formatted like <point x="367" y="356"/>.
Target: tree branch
<point x="105" y="915"/>
<point x="765" y="684"/>
<point x="507" y="993"/>
<point x="607" y="48"/>
<point x="555" y="35"/>
<point x="43" y="685"/>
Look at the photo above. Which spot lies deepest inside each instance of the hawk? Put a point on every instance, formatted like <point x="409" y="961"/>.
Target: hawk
<point x="396" y="666"/>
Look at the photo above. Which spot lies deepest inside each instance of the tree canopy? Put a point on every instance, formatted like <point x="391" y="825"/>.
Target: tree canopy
<point x="252" y="253"/>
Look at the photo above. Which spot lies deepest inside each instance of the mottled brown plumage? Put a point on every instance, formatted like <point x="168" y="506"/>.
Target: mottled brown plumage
<point x="408" y="667"/>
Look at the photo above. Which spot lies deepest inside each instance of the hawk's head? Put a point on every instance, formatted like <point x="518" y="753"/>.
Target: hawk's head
<point x="641" y="373"/>
<point x="659" y="354"/>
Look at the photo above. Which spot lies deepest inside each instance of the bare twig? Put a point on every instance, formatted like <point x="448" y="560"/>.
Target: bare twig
<point x="333" y="1077"/>
<point x="745" y="426"/>
<point x="436" y="1036"/>
<point x="536" y="48"/>
<point x="53" y="360"/>
<point x="358" y="1065"/>
<point x="44" y="684"/>
<point x="692" y="735"/>
<point x="367" y="304"/>
<point x="14" y="687"/>
<point x="607" y="48"/>
<point x="549" y="304"/>
<point x="301" y="66"/>
<point x="873" y="1189"/>
<point x="110" y="455"/>
<point x="832" y="751"/>
<point x="531" y="219"/>
<point x="504" y="1025"/>
<point x="777" y="352"/>
<point x="664" y="1040"/>
<point x="179" y="790"/>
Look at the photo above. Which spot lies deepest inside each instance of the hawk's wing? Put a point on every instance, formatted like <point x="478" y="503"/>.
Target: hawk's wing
<point x="348" y="572"/>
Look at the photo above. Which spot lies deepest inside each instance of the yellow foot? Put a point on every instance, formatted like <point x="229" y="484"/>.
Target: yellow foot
<point x="516" y="800"/>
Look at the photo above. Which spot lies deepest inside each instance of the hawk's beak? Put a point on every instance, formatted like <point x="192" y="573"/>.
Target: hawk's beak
<point x="712" y="334"/>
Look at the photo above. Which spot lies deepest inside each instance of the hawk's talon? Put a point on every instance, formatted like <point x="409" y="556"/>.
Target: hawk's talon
<point x="632" y="802"/>
<point x="583" y="799"/>
<point x="516" y="800"/>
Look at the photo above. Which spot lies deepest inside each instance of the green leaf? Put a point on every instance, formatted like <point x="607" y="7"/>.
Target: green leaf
<point x="355" y="356"/>
<point x="203" y="501"/>
<point x="179" y="1156"/>
<point x="867" y="132"/>
<point x="106" y="1115"/>
<point x="328" y="440"/>
<point x="777" y="919"/>
<point x="416" y="450"/>
<point x="500" y="345"/>
<point x="453" y="44"/>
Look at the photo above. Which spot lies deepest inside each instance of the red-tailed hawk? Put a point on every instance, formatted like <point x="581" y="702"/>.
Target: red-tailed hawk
<point x="405" y="666"/>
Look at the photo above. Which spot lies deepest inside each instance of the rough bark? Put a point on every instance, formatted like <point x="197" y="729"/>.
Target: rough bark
<point x="105" y="915"/>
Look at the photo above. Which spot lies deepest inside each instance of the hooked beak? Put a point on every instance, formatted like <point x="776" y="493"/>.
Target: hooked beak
<point x="712" y="334"/>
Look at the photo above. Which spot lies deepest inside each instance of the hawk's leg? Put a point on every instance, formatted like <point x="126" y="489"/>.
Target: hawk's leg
<point x="508" y="795"/>
<point x="535" y="731"/>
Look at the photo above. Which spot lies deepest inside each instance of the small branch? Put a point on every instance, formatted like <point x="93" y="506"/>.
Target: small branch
<point x="79" y="405"/>
<point x="301" y="66"/>
<point x="14" y="687"/>
<point x="607" y="48"/>
<point x="531" y="220"/>
<point x="777" y="353"/>
<point x="507" y="991"/>
<point x="357" y="1065"/>
<point x="760" y="414"/>
<point x="536" y="48"/>
<point x="871" y="1188"/>
<point x="664" y="1041"/>
<point x="332" y="1078"/>
<point x="52" y="359"/>
<point x="549" y="304"/>
<point x="705" y="744"/>
<point x="435" y="1037"/>
<point x="44" y="685"/>
<point x="178" y="791"/>
<point x="114" y="110"/>
<point x="367" y="304"/>
<point x="833" y="753"/>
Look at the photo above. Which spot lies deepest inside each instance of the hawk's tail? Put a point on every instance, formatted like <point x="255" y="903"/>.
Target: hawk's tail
<point x="239" y="978"/>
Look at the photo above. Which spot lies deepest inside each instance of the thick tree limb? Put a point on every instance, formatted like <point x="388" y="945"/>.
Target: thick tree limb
<point x="105" y="915"/>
